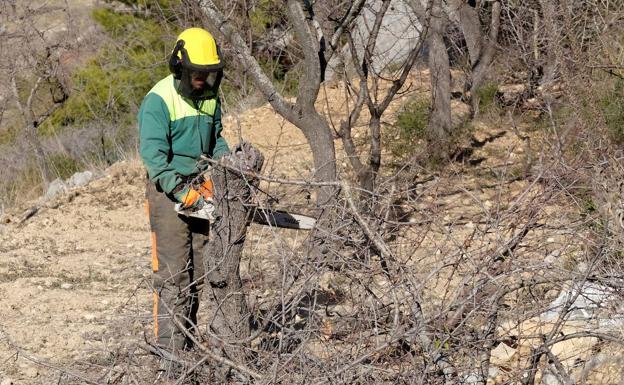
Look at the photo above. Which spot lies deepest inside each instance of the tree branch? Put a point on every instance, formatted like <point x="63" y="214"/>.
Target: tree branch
<point x="309" y="87"/>
<point x="224" y="30"/>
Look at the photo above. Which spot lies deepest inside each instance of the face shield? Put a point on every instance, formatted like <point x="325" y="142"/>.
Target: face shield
<point x="199" y="84"/>
<point x="195" y="81"/>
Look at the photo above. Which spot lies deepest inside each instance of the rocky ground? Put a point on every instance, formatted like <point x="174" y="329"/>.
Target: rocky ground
<point x="75" y="298"/>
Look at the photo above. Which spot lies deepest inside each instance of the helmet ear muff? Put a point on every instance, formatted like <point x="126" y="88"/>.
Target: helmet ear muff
<point x="175" y="63"/>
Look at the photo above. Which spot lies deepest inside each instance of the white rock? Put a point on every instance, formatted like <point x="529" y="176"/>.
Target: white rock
<point x="80" y="179"/>
<point x="472" y="379"/>
<point x="66" y="286"/>
<point x="55" y="188"/>
<point x="550" y="379"/>
<point x="396" y="39"/>
<point x="89" y="317"/>
<point x="494" y="372"/>
<point x="502" y="354"/>
<point x="552" y="257"/>
<point x="31" y="372"/>
<point x="591" y="301"/>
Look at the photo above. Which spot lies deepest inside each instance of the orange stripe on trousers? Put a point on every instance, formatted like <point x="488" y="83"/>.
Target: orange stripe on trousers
<point x="154" y="269"/>
<point x="155" y="311"/>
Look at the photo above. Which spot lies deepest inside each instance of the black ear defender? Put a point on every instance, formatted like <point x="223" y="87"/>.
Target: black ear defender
<point x="175" y="63"/>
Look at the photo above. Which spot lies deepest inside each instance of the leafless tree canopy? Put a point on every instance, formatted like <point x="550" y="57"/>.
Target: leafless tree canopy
<point x="449" y="268"/>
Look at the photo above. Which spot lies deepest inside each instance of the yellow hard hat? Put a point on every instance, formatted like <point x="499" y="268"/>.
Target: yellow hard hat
<point x="196" y="51"/>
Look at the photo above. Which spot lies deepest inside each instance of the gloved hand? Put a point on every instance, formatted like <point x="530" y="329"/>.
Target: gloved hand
<point x="189" y="197"/>
<point x="206" y="188"/>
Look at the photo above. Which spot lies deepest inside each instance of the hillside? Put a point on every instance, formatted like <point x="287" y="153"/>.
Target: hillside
<point x="74" y="278"/>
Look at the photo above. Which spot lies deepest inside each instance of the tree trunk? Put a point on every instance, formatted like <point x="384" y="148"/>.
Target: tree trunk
<point x="37" y="151"/>
<point x="439" y="127"/>
<point x="229" y="315"/>
<point x="471" y="29"/>
<point x="486" y="57"/>
<point x="30" y="132"/>
<point x="302" y="113"/>
<point x="552" y="44"/>
<point x="319" y="137"/>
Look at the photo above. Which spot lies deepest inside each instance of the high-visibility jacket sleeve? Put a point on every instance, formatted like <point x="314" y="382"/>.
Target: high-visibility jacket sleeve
<point x="221" y="147"/>
<point x="154" y="142"/>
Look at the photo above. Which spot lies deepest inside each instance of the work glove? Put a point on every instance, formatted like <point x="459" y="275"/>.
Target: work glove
<point x="188" y="197"/>
<point x="205" y="188"/>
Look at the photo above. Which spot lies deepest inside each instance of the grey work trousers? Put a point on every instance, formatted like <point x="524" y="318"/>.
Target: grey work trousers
<point x="178" y="270"/>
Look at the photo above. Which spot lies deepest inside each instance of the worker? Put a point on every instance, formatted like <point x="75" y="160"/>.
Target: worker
<point x="179" y="122"/>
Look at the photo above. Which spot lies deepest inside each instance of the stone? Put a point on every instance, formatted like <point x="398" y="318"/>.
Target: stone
<point x="55" y="188"/>
<point x="502" y="354"/>
<point x="569" y="351"/>
<point x="397" y="36"/>
<point x="589" y="299"/>
<point x="550" y="379"/>
<point x="66" y="286"/>
<point x="80" y="179"/>
<point x="509" y="94"/>
<point x="472" y="379"/>
<point x="552" y="257"/>
<point x="31" y="372"/>
<point x="495" y="374"/>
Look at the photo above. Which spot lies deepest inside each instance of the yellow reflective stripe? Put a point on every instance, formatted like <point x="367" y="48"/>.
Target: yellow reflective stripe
<point x="177" y="106"/>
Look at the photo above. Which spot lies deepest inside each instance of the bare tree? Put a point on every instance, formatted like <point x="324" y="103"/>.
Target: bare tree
<point x="302" y="113"/>
<point x="32" y="119"/>
<point x="481" y="41"/>
<point x="33" y="73"/>
<point x="439" y="126"/>
<point x="371" y="78"/>
<point x="229" y="315"/>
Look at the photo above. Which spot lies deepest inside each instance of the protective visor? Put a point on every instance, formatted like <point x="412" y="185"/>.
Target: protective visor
<point x="199" y="85"/>
<point x="197" y="82"/>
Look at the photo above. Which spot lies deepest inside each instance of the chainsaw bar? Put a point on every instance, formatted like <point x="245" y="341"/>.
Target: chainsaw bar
<point x="284" y="219"/>
<point x="260" y="215"/>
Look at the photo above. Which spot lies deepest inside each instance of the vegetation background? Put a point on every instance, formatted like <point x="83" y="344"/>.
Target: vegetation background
<point x="469" y="191"/>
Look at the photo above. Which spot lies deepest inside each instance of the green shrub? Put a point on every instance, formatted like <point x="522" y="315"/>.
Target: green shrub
<point x="612" y="108"/>
<point x="22" y="186"/>
<point x="266" y="14"/>
<point x="110" y="88"/>
<point x="285" y="79"/>
<point x="63" y="165"/>
<point x="487" y="97"/>
<point x="10" y="133"/>
<point x="409" y="128"/>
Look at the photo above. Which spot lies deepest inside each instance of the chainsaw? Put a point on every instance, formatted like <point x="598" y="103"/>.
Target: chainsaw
<point x="259" y="214"/>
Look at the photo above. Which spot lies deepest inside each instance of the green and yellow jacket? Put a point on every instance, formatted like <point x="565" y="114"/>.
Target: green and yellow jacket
<point x="175" y="131"/>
